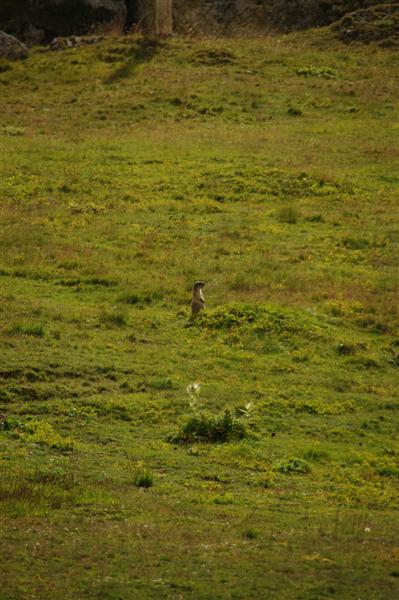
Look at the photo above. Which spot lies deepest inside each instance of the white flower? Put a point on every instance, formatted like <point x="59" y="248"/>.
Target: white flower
<point x="367" y="529"/>
<point x="193" y="388"/>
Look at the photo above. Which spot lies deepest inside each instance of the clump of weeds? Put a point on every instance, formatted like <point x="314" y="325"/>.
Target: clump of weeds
<point x="202" y="426"/>
<point x="142" y="476"/>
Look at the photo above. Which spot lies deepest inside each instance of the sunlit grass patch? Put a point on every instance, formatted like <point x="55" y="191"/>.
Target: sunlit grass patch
<point x="21" y="495"/>
<point x="31" y="329"/>
<point x="36" y="431"/>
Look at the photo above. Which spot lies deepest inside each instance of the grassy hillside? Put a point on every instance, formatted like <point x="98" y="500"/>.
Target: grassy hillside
<point x="268" y="168"/>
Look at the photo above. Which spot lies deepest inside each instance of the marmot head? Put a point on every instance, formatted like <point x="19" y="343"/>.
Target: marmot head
<point x="198" y="285"/>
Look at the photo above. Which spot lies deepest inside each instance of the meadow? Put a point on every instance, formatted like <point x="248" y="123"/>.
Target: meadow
<point x="249" y="453"/>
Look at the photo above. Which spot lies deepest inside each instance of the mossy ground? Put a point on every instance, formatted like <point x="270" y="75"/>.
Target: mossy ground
<point x="268" y="168"/>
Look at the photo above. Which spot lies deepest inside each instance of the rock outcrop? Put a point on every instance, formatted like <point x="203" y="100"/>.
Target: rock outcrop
<point x="292" y="15"/>
<point x="11" y="48"/>
<point x="376" y="24"/>
<point x="52" y="18"/>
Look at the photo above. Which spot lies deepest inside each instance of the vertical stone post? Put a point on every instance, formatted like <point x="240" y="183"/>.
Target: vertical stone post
<point x="163" y="17"/>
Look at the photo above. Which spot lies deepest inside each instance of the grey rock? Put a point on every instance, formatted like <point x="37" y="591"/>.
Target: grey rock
<point x="12" y="48"/>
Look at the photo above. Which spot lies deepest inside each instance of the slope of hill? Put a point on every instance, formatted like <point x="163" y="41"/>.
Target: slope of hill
<point x="268" y="168"/>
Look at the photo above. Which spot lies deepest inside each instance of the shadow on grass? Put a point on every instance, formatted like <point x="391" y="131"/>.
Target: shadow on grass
<point x="145" y="50"/>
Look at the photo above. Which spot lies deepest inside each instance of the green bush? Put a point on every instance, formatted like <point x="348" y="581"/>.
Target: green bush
<point x="293" y="465"/>
<point x="209" y="428"/>
<point x="143" y="478"/>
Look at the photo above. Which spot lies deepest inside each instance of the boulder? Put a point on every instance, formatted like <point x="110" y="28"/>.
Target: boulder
<point x="11" y="48"/>
<point x="61" y="17"/>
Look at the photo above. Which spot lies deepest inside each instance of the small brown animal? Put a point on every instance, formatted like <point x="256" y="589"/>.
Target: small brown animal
<point x="198" y="301"/>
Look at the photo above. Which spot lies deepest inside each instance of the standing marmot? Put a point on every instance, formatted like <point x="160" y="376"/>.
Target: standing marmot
<point x="198" y="301"/>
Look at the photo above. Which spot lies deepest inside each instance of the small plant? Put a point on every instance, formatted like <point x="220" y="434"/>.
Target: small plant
<point x="251" y="533"/>
<point x="316" y="454"/>
<point x="288" y="215"/>
<point x="30" y="329"/>
<point x="388" y="469"/>
<point x="211" y="428"/>
<point x="355" y="243"/>
<point x="193" y="390"/>
<point x="204" y="427"/>
<point x="312" y="71"/>
<point x="143" y="477"/>
<point x="246" y="411"/>
<point x="223" y="499"/>
<point x="162" y="383"/>
<point x="294" y="111"/>
<point x="113" y="318"/>
<point x="296" y="466"/>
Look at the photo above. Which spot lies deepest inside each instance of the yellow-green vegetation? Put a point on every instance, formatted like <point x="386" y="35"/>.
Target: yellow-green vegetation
<point x="251" y="452"/>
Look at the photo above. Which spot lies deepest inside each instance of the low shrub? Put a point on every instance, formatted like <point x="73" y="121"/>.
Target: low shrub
<point x="293" y="465"/>
<point x="251" y="533"/>
<point x="312" y="71"/>
<point x="202" y="427"/>
<point x="143" y="478"/>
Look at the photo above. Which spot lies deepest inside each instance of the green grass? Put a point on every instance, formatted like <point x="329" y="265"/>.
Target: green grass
<point x="128" y="170"/>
